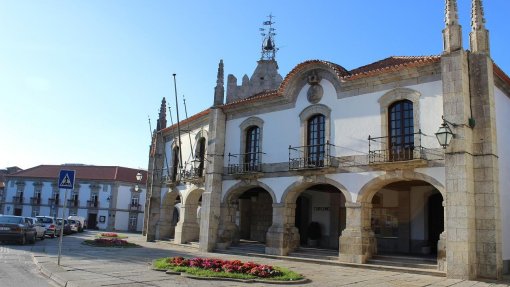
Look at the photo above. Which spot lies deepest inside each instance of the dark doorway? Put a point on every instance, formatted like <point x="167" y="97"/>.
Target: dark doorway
<point x="18" y="211"/>
<point x="302" y="217"/>
<point x="436" y="220"/>
<point x="92" y="221"/>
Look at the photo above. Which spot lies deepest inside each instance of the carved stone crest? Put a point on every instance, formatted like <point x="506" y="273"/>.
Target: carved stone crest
<point x="315" y="91"/>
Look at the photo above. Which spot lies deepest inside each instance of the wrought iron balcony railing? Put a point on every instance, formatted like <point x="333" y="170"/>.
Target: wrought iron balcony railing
<point x="399" y="148"/>
<point x="134" y="207"/>
<point x="53" y="201"/>
<point x="35" y="200"/>
<point x="92" y="203"/>
<point x="73" y="203"/>
<point x="18" y="199"/>
<point x="310" y="156"/>
<point x="192" y="174"/>
<point x="245" y="163"/>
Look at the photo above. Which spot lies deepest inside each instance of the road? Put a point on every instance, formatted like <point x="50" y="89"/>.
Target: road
<point x="18" y="269"/>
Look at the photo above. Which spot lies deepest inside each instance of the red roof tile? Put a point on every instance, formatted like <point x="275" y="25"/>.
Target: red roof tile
<point x="188" y="120"/>
<point x="392" y="64"/>
<point x="83" y="172"/>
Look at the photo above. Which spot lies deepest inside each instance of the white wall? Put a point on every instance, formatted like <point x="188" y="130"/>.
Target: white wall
<point x="502" y="117"/>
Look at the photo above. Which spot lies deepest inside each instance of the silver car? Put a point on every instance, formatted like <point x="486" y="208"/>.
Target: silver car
<point x="40" y="230"/>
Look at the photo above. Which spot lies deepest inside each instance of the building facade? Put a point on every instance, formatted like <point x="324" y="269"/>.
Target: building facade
<point x="352" y="152"/>
<point x="108" y="197"/>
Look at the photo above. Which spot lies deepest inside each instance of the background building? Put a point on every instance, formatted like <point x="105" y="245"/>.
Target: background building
<point x="106" y="196"/>
<point x="353" y="152"/>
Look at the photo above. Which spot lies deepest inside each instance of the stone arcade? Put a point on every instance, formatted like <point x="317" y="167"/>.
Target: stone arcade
<point x="284" y="154"/>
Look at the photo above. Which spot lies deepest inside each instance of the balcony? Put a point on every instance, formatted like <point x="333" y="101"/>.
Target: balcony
<point x="72" y="203"/>
<point x="192" y="175"/>
<point x="35" y="200"/>
<point x="250" y="163"/>
<point x="92" y="203"/>
<point x="404" y="151"/>
<point x="17" y="199"/>
<point x="53" y="201"/>
<point x="134" y="207"/>
<point x="310" y="157"/>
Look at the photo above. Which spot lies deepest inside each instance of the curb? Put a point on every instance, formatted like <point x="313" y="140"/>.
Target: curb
<point x="50" y="271"/>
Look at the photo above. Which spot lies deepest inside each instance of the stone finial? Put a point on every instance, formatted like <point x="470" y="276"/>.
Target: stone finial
<point x="219" y="90"/>
<point x="479" y="36"/>
<point x="452" y="34"/>
<point x="162" y="115"/>
<point x="477" y="16"/>
<point x="451" y="15"/>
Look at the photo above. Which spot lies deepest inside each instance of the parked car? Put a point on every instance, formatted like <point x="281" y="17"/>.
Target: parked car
<point x="40" y="230"/>
<point x="83" y="222"/>
<point x="67" y="226"/>
<point x="16" y="228"/>
<point x="52" y="228"/>
<point x="75" y="225"/>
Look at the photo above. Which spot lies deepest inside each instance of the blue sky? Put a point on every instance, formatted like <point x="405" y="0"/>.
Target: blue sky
<point x="78" y="79"/>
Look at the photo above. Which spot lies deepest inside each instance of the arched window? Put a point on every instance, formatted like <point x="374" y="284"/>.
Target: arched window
<point x="401" y="130"/>
<point x="316" y="140"/>
<point x="175" y="163"/>
<point x="200" y="156"/>
<point x="252" y="149"/>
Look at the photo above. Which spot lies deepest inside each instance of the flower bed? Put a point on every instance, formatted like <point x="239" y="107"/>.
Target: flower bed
<point x="110" y="235"/>
<point x="109" y="242"/>
<point x="212" y="267"/>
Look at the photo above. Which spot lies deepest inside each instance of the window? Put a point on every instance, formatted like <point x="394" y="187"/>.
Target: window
<point x="316" y="140"/>
<point x="252" y="155"/>
<point x="200" y="156"/>
<point x="93" y="200"/>
<point x="134" y="200"/>
<point x="133" y="218"/>
<point x="175" y="163"/>
<point x="401" y="130"/>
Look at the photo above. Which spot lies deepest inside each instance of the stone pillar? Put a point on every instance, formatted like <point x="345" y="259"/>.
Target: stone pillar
<point x="486" y="168"/>
<point x="460" y="201"/>
<point x="404" y="221"/>
<point x="155" y="182"/>
<point x="357" y="242"/>
<point x="282" y="237"/>
<point x="187" y="229"/>
<point x="211" y="198"/>
<point x="441" y="252"/>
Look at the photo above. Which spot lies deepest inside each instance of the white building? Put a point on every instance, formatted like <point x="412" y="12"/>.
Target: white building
<point x="353" y="151"/>
<point x="106" y="196"/>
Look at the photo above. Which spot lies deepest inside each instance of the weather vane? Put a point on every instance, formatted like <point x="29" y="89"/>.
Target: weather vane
<point x="268" y="45"/>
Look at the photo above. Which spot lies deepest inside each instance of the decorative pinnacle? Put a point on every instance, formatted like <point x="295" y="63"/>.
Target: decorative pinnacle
<point x="477" y="15"/>
<point x="451" y="15"/>
<point x="220" y="77"/>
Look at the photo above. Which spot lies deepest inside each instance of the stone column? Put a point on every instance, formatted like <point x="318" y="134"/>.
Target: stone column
<point x="187" y="229"/>
<point x="155" y="182"/>
<point x="357" y="242"/>
<point x="460" y="223"/>
<point x="211" y="198"/>
<point x="283" y="236"/>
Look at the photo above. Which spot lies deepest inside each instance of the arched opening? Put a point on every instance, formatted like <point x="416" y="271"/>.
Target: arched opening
<point x="175" y="163"/>
<point x="320" y="216"/>
<point x="170" y="214"/>
<point x="188" y="227"/>
<point x="254" y="214"/>
<point x="200" y="156"/>
<point x="407" y="218"/>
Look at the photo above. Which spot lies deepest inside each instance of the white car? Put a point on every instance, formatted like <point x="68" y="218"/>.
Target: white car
<point x="40" y="230"/>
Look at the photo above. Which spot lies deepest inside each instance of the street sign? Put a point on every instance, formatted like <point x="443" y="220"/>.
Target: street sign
<point x="66" y="179"/>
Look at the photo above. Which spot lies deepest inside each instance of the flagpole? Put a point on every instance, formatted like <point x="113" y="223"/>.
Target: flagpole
<point x="178" y="125"/>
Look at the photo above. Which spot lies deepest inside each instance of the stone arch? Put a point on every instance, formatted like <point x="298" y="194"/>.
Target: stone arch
<point x="188" y="227"/>
<point x="297" y="78"/>
<point x="167" y="220"/>
<point x="193" y="196"/>
<point x="292" y="191"/>
<point x="373" y="186"/>
<point x="245" y="185"/>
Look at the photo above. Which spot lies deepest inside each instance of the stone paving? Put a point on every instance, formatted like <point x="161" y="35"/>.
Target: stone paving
<point x="83" y="265"/>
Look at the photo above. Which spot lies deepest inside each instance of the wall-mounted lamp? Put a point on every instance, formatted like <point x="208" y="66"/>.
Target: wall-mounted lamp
<point x="444" y="134"/>
<point x="138" y="178"/>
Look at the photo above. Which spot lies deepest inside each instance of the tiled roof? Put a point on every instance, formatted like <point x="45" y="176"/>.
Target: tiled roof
<point x="501" y="74"/>
<point x="255" y="98"/>
<point x="188" y="120"/>
<point x="83" y="172"/>
<point x="392" y="64"/>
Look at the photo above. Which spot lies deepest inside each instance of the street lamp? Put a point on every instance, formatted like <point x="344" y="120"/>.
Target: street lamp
<point x="444" y="134"/>
<point x="138" y="178"/>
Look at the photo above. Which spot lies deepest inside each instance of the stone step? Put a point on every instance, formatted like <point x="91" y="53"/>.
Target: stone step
<point x="404" y="261"/>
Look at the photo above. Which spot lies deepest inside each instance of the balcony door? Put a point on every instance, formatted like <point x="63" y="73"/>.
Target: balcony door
<point x="316" y="140"/>
<point x="252" y="155"/>
<point x="401" y="131"/>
